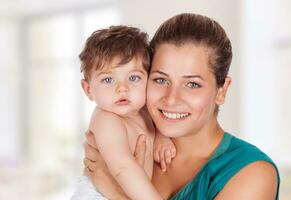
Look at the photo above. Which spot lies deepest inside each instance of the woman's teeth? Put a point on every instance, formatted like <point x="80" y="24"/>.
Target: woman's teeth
<point x="174" y="115"/>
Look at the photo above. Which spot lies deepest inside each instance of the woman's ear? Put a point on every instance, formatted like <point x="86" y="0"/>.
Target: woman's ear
<point x="222" y="91"/>
<point x="87" y="89"/>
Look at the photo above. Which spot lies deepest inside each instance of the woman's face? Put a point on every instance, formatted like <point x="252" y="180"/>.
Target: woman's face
<point x="181" y="92"/>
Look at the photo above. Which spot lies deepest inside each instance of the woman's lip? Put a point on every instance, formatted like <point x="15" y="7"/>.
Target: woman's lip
<point x="173" y="116"/>
<point x="172" y="112"/>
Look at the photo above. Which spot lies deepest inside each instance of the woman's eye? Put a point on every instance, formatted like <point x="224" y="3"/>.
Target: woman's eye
<point x="107" y="80"/>
<point x="193" y="85"/>
<point x="134" y="78"/>
<point x="159" y="81"/>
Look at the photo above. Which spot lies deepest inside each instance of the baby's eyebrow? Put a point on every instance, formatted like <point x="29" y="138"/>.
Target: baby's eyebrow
<point x="137" y="70"/>
<point x="103" y="73"/>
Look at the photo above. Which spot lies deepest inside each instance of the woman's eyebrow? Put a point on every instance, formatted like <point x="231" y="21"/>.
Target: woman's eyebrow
<point x="159" y="72"/>
<point x="193" y="76"/>
<point x="185" y="76"/>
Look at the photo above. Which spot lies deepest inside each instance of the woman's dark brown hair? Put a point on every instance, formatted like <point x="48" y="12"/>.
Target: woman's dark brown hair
<point x="199" y="30"/>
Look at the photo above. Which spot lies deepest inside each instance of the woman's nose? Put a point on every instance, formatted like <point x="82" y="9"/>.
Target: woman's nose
<point x="171" y="97"/>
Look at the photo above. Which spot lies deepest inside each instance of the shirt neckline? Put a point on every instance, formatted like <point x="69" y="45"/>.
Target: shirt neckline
<point x="220" y="149"/>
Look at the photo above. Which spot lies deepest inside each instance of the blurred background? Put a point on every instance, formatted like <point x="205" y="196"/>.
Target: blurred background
<point x="44" y="113"/>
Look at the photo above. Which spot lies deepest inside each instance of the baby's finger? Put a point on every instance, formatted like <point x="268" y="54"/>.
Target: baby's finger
<point x="162" y="160"/>
<point x="157" y="155"/>
<point x="161" y="155"/>
<point x="173" y="152"/>
<point x="163" y="165"/>
<point x="168" y="156"/>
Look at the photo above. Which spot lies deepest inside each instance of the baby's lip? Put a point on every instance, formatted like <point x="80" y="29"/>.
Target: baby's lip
<point x="122" y="101"/>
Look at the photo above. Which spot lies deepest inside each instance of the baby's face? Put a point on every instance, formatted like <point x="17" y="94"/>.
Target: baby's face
<point x="119" y="88"/>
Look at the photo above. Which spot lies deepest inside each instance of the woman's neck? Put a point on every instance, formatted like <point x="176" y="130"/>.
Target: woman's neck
<point x="200" y="144"/>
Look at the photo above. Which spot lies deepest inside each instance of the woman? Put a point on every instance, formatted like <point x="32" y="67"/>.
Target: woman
<point x="187" y="83"/>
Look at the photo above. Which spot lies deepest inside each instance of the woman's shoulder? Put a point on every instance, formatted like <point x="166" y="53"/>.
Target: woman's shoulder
<point x="234" y="154"/>
<point x="258" y="180"/>
<point x="242" y="150"/>
<point x="240" y="161"/>
<point x="234" y="161"/>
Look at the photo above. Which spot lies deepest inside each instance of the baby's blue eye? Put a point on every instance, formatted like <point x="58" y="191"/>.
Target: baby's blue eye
<point x="134" y="78"/>
<point x="193" y="85"/>
<point x="107" y="80"/>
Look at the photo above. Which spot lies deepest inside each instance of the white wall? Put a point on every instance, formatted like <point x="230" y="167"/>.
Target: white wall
<point x="10" y="91"/>
<point x="266" y="87"/>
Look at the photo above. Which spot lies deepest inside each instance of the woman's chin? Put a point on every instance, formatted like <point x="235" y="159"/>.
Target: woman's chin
<point x="170" y="133"/>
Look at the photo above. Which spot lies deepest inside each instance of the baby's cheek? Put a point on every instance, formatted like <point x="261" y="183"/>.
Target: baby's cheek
<point x="105" y="103"/>
<point x="139" y="99"/>
<point x="105" y="99"/>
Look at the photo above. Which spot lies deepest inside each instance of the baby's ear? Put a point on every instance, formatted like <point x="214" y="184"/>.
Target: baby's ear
<point x="222" y="91"/>
<point x="87" y="89"/>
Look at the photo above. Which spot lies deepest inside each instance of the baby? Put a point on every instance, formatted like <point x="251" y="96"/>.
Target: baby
<point x="115" y="64"/>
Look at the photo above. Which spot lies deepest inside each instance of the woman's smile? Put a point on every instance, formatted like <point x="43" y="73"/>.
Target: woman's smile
<point x="173" y="116"/>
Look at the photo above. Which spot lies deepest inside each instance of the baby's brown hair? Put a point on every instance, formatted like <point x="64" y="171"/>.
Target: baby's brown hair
<point x="104" y="45"/>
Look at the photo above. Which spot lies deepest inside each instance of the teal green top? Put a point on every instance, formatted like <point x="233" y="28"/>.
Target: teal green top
<point x="231" y="155"/>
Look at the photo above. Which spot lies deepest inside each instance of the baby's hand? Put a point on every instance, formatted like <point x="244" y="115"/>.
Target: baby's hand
<point x="164" y="151"/>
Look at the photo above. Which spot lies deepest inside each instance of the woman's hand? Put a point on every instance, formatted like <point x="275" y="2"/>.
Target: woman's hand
<point x="97" y="171"/>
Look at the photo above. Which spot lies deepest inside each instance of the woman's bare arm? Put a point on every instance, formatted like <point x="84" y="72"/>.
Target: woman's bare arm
<point x="256" y="181"/>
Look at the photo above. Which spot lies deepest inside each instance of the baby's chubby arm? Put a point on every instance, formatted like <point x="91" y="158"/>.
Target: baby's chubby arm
<point x="111" y="139"/>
